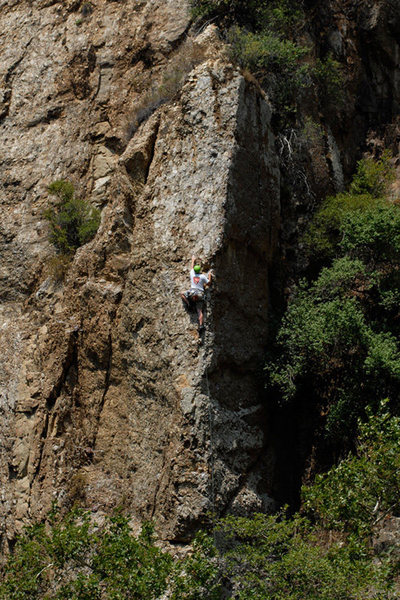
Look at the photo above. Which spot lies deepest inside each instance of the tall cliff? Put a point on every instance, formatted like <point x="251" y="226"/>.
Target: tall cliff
<point x="108" y="394"/>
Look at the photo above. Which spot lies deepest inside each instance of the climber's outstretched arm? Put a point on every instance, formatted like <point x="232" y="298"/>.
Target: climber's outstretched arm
<point x="193" y="260"/>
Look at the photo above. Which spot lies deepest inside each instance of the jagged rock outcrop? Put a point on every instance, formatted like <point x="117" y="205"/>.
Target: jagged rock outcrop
<point x="364" y="38"/>
<point x="109" y="396"/>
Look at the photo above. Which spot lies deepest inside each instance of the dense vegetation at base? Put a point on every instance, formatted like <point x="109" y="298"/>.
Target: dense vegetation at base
<point x="325" y="553"/>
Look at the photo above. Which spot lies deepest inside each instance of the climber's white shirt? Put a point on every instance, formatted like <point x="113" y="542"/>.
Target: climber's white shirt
<point x="197" y="281"/>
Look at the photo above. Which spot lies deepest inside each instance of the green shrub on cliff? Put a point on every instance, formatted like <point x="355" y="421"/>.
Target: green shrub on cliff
<point x="328" y="78"/>
<point x="339" y="340"/>
<point x="73" y="558"/>
<point x="264" y="37"/>
<point x="73" y="221"/>
<point x="277" y="558"/>
<point x="233" y="10"/>
<point x="272" y="60"/>
<point x="333" y="347"/>
<point x="278" y="15"/>
<point x="373" y="176"/>
<point x="198" y="577"/>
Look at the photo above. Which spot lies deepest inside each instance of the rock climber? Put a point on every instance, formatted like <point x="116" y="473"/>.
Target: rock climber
<point x="195" y="296"/>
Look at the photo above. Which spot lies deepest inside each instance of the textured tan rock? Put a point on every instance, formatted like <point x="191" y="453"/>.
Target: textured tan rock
<point x="109" y="396"/>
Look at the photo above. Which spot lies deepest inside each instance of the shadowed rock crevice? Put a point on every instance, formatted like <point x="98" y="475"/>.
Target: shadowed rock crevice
<point x="7" y="84"/>
<point x="70" y="362"/>
<point x="107" y="379"/>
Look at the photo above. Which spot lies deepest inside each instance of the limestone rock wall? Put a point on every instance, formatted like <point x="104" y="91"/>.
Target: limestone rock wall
<point x="109" y="396"/>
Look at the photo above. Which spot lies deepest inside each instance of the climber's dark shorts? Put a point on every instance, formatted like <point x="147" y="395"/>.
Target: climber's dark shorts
<point x="195" y="295"/>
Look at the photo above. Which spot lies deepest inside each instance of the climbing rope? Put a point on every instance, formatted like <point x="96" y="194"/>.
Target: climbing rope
<point x="211" y="435"/>
<point x="212" y="453"/>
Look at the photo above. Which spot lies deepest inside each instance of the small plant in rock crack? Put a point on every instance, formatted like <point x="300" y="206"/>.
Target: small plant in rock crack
<point x="86" y="9"/>
<point x="185" y="59"/>
<point x="57" y="267"/>
<point x="73" y="221"/>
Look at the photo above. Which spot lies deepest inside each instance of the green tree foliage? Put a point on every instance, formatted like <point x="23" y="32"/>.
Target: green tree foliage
<point x="328" y="76"/>
<point x="279" y="558"/>
<point x="72" y="559"/>
<point x="329" y="342"/>
<point x="373" y="176"/>
<point x="273" y="60"/>
<point x="198" y="577"/>
<point x="234" y="11"/>
<point x="264" y="38"/>
<point x="339" y="341"/>
<point x="365" y="203"/>
<point x="363" y="489"/>
<point x="73" y="221"/>
<point x="266" y="557"/>
<point x="279" y="15"/>
<point x="265" y="51"/>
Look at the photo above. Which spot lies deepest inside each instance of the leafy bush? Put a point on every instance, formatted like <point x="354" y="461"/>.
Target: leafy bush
<point x="325" y="232"/>
<point x="198" y="576"/>
<point x="373" y="176"/>
<point x="265" y="51"/>
<point x="73" y="221"/>
<point x="364" y="488"/>
<point x="276" y="558"/>
<point x="233" y="10"/>
<point x="75" y="559"/>
<point x="328" y="233"/>
<point x="279" y="15"/>
<point x="373" y="233"/>
<point x="282" y="16"/>
<point x="328" y="76"/>
<point x="278" y="63"/>
<point x="312" y="134"/>
<point x="328" y="343"/>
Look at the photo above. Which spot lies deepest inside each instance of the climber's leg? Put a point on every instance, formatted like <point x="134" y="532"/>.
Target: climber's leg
<point x="184" y="298"/>
<point x="200" y="313"/>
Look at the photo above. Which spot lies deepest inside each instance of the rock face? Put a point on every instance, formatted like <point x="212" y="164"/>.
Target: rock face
<point x="109" y="395"/>
<point x="364" y="38"/>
